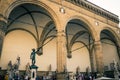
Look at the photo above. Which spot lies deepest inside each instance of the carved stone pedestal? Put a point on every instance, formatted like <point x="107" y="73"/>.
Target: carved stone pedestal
<point x="33" y="69"/>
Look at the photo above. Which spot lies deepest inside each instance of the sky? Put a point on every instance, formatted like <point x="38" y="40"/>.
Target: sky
<point x="109" y="5"/>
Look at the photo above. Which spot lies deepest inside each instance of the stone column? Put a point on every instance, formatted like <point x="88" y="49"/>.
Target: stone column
<point x="2" y="31"/>
<point x="61" y="54"/>
<point x="98" y="56"/>
<point x="92" y="61"/>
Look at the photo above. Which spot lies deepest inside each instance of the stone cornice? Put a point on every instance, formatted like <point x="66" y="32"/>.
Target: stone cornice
<point x="95" y="9"/>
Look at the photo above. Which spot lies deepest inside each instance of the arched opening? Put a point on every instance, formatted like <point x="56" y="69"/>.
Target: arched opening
<point x="30" y="26"/>
<point x="110" y="49"/>
<point x="79" y="45"/>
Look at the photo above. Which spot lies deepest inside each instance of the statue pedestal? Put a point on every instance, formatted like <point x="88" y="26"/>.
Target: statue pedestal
<point x="33" y="69"/>
<point x="61" y="76"/>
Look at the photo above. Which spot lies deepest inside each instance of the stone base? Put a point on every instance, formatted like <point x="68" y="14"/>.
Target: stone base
<point x="33" y="67"/>
<point x="33" y="72"/>
<point x="61" y="76"/>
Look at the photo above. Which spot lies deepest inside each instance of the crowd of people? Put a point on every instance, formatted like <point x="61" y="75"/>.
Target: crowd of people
<point x="83" y="76"/>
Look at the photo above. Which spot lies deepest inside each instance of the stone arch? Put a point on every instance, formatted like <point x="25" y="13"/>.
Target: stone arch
<point x="50" y="14"/>
<point x="89" y="25"/>
<point x="113" y="32"/>
<point x="110" y="40"/>
<point x="38" y="3"/>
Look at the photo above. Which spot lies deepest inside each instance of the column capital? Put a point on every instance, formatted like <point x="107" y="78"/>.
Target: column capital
<point x="97" y="44"/>
<point x="61" y="33"/>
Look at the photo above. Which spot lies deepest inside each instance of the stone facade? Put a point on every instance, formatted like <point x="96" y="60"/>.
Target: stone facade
<point x="95" y="17"/>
